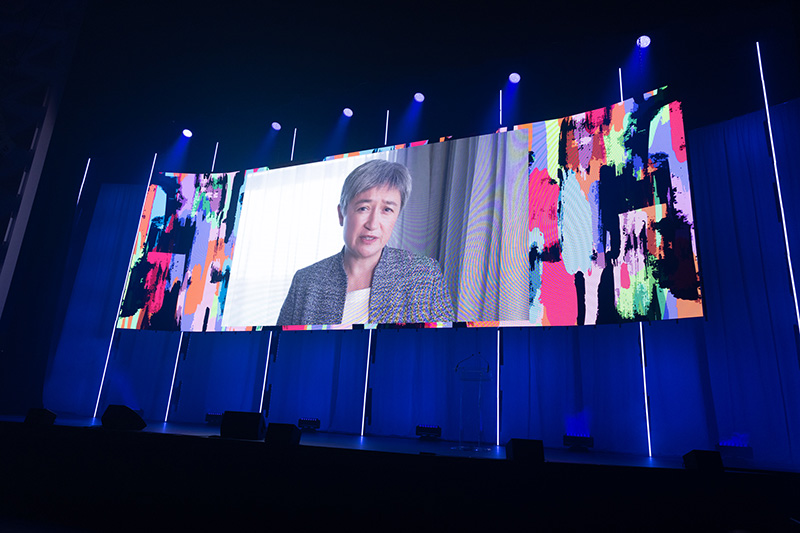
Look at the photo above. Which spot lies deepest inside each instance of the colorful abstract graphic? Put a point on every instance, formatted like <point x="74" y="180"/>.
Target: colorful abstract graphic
<point x="610" y="217"/>
<point x="180" y="266"/>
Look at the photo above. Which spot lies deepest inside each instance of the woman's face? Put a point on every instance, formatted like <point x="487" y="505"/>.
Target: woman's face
<point x="369" y="220"/>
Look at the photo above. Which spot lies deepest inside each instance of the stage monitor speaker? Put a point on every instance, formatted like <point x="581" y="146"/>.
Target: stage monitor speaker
<point x="243" y="425"/>
<point x="703" y="461"/>
<point x="122" y="417"/>
<point x="284" y="436"/>
<point x="39" y="417"/>
<point x="525" y="451"/>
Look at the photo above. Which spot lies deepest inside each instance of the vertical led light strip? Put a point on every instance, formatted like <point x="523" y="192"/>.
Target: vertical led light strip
<point x="214" y="161"/>
<point x="294" y="138"/>
<point x="386" y="130"/>
<point x="85" y="172"/>
<point x="497" y="438"/>
<point x="124" y="288"/>
<point x="174" y="373"/>
<point x="621" y="98"/>
<point x="501" y="107"/>
<point x="366" y="384"/>
<point x="778" y="185"/>
<point x="644" y="380"/>
<point x="266" y="367"/>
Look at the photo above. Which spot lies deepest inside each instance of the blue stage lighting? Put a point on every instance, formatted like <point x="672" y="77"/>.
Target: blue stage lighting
<point x="276" y="126"/>
<point x="187" y="133"/>
<point x="419" y="97"/>
<point x="643" y="41"/>
<point x="513" y="77"/>
<point x="347" y="112"/>
<point x="426" y="431"/>
<point x="308" y="423"/>
<point x="580" y="443"/>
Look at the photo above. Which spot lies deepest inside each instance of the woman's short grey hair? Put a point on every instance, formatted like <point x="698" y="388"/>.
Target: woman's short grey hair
<point x="376" y="173"/>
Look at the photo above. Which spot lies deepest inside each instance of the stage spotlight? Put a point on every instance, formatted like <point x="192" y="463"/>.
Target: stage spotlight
<point x="308" y="423"/>
<point x="276" y="126"/>
<point x="579" y="443"/>
<point x="214" y="419"/>
<point x="426" y="431"/>
<point x="643" y="41"/>
<point x="187" y="133"/>
<point x="347" y="112"/>
<point x="513" y="77"/>
<point x="419" y="97"/>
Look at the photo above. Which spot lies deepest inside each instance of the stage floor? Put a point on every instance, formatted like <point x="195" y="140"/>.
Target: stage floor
<point x="416" y="446"/>
<point x="400" y="445"/>
<point x="78" y="476"/>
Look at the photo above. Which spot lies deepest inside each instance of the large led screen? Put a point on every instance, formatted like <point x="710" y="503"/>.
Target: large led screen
<point x="581" y="220"/>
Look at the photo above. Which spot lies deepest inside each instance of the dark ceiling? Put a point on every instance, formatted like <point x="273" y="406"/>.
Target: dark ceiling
<point x="144" y="71"/>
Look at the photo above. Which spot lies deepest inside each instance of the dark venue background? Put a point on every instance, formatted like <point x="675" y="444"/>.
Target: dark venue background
<point x="130" y="78"/>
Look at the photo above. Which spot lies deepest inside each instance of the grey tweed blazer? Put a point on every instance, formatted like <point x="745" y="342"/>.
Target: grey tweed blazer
<point x="406" y="288"/>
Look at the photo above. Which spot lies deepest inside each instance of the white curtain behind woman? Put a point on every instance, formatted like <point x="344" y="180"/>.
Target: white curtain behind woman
<point x="468" y="210"/>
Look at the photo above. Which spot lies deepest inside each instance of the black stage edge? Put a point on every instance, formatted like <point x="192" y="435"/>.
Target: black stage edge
<point x="62" y="478"/>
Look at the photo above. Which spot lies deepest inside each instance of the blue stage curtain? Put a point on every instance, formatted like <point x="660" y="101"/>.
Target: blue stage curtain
<point x="413" y="380"/>
<point x="682" y="416"/>
<point x="583" y="380"/>
<point x="218" y="372"/>
<point x="747" y="344"/>
<point x="319" y="374"/>
<point x="140" y="371"/>
<point x="785" y="120"/>
<point x="76" y="367"/>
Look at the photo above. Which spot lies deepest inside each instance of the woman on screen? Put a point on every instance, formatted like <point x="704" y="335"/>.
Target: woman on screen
<point x="369" y="282"/>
